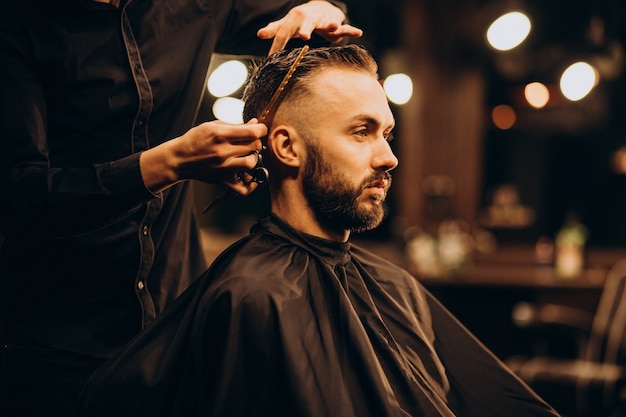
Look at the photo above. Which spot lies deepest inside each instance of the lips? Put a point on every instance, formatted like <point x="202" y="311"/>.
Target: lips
<point x="380" y="181"/>
<point x="384" y="184"/>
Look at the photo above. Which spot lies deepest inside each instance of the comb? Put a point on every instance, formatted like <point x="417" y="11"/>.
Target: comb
<point x="259" y="173"/>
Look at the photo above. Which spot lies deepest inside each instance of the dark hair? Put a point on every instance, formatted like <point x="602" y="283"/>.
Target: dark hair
<point x="267" y="77"/>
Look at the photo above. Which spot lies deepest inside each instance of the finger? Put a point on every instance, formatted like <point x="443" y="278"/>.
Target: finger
<point x="282" y="36"/>
<point x="277" y="45"/>
<point x="242" y="134"/>
<point x="220" y="129"/>
<point x="241" y="182"/>
<point x="349" y="30"/>
<point x="243" y="163"/>
<point x="255" y="121"/>
<point x="344" y="31"/>
<point x="281" y="31"/>
<point x="306" y="30"/>
<point x="243" y="189"/>
<point x="268" y="31"/>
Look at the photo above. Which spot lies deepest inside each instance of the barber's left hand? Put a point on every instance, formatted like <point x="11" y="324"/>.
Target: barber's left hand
<point x="317" y="16"/>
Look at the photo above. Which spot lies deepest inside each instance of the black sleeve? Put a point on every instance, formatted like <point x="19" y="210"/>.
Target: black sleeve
<point x="36" y="199"/>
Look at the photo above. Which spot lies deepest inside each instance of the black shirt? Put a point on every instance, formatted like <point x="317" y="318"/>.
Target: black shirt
<point x="90" y="255"/>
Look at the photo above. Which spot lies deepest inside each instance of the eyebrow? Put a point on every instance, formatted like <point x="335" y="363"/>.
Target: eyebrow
<point x="373" y="121"/>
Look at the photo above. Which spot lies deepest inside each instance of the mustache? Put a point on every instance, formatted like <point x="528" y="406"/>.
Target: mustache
<point x="377" y="177"/>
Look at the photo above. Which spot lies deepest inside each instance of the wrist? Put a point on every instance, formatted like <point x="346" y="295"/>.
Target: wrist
<point x="159" y="168"/>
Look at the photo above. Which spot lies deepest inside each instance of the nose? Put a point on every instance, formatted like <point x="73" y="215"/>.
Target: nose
<point x="384" y="157"/>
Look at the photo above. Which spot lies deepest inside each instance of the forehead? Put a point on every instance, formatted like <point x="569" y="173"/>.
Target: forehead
<point x="345" y="93"/>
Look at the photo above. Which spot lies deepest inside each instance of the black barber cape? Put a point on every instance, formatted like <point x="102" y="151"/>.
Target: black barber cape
<point x="287" y="324"/>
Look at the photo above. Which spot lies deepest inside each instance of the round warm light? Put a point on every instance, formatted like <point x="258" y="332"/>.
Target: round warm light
<point x="537" y="94"/>
<point x="228" y="109"/>
<point x="227" y="78"/>
<point x="399" y="88"/>
<point x="503" y="116"/>
<point x="578" y="80"/>
<point x="508" y="31"/>
<point x="618" y="161"/>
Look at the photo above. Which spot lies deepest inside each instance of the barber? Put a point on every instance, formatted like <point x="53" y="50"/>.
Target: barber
<point x="97" y="143"/>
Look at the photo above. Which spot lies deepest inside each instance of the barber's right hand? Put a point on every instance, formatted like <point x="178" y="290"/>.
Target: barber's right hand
<point x="321" y="17"/>
<point x="212" y="152"/>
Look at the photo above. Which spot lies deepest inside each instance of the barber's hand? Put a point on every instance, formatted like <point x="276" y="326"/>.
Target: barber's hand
<point x="317" y="16"/>
<point x="213" y="152"/>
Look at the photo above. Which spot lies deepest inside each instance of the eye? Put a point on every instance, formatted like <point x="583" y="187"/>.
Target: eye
<point x="388" y="136"/>
<point x="361" y="132"/>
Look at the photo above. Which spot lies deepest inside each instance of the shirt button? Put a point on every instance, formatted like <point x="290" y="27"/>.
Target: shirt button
<point x="140" y="285"/>
<point x="145" y="230"/>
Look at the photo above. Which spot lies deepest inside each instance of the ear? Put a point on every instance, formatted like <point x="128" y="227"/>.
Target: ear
<point x="286" y="145"/>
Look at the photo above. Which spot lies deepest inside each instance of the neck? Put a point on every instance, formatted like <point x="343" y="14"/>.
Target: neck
<point x="293" y="209"/>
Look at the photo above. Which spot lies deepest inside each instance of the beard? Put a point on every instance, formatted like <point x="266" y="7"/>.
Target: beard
<point x="336" y="202"/>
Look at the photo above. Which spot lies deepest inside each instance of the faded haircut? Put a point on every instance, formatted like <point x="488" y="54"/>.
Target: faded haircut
<point x="267" y="77"/>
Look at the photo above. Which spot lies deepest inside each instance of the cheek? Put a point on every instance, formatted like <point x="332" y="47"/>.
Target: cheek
<point x="351" y="170"/>
<point x="348" y="157"/>
<point x="356" y="158"/>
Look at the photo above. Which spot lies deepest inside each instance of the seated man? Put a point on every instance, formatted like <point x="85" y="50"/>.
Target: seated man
<point x="294" y="320"/>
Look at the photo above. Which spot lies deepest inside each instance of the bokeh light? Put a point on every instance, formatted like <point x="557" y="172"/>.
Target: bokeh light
<point x="503" y="116"/>
<point x="508" y="31"/>
<point x="227" y="78"/>
<point x="399" y="88"/>
<point x="537" y="94"/>
<point x="229" y="109"/>
<point x="578" y="80"/>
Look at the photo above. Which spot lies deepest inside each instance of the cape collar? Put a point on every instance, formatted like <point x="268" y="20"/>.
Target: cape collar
<point x="330" y="251"/>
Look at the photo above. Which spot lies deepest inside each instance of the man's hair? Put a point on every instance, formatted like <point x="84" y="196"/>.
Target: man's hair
<point x="266" y="78"/>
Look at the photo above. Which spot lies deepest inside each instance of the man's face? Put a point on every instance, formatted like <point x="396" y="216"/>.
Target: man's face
<point x="346" y="173"/>
<point x="336" y="200"/>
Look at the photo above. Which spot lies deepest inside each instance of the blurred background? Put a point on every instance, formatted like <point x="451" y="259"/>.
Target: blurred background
<point x="510" y="195"/>
<point x="470" y="138"/>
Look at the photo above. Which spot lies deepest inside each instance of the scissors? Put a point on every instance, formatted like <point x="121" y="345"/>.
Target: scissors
<point x="259" y="173"/>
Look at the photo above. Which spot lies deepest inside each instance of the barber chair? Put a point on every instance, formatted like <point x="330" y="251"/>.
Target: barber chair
<point x="592" y="381"/>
